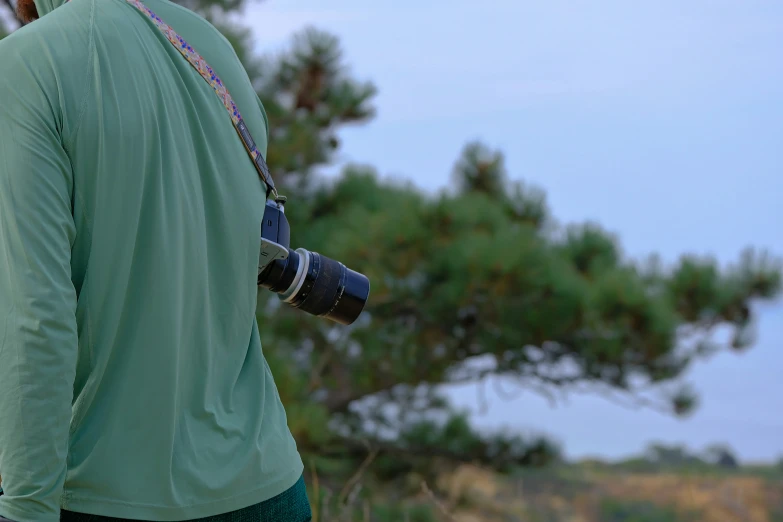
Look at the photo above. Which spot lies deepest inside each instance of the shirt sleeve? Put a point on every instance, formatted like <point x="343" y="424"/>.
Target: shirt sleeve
<point x="38" y="333"/>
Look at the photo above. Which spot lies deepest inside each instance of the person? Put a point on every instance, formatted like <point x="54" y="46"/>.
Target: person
<point x="132" y="380"/>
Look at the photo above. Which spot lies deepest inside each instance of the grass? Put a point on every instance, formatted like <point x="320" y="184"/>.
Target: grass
<point x="571" y="493"/>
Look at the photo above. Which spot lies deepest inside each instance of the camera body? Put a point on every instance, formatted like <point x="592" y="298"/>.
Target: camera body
<point x="307" y="280"/>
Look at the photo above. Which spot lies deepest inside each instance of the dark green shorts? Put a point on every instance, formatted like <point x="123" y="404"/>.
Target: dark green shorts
<point x="290" y="506"/>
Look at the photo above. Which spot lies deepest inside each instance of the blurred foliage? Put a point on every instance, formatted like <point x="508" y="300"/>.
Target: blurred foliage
<point x="458" y="439"/>
<point x="395" y="513"/>
<point x="662" y="456"/>
<point x="614" y="510"/>
<point x="668" y="456"/>
<point x="722" y="456"/>
<point x="716" y="460"/>
<point x="426" y="448"/>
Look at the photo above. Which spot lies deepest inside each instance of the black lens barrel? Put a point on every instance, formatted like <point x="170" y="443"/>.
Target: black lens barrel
<point x="280" y="273"/>
<point x="332" y="291"/>
<point x="352" y="299"/>
<point x="326" y="288"/>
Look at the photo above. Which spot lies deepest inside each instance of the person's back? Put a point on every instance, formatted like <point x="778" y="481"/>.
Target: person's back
<point x="130" y="218"/>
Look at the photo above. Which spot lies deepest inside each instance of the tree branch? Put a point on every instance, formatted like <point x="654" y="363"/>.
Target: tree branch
<point x="358" y="475"/>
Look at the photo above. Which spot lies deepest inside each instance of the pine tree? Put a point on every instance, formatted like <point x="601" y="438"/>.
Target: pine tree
<point x="480" y="275"/>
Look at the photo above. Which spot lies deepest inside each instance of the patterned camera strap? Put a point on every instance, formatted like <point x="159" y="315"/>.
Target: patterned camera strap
<point x="212" y="79"/>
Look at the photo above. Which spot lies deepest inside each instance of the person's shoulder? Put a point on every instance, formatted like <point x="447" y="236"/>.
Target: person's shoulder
<point x="196" y="18"/>
<point x="60" y="39"/>
<point x="217" y="41"/>
<point x="44" y="66"/>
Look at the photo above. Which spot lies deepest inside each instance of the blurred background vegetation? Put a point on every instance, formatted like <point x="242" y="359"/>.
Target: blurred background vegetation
<point x="480" y="280"/>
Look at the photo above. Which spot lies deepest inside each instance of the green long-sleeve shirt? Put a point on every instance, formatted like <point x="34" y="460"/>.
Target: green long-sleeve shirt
<point x="132" y="381"/>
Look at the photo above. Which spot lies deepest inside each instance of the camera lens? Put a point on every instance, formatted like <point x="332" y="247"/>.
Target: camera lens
<point x="318" y="285"/>
<point x="278" y="275"/>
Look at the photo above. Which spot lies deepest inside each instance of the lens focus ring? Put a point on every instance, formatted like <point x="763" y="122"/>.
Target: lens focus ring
<point x="322" y="284"/>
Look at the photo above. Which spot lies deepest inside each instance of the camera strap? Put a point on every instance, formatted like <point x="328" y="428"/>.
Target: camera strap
<point x="206" y="72"/>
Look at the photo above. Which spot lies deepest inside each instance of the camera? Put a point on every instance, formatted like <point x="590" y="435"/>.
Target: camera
<point x="307" y="280"/>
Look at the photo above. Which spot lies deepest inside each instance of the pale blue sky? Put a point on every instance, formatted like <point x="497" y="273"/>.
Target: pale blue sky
<point x="662" y="120"/>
